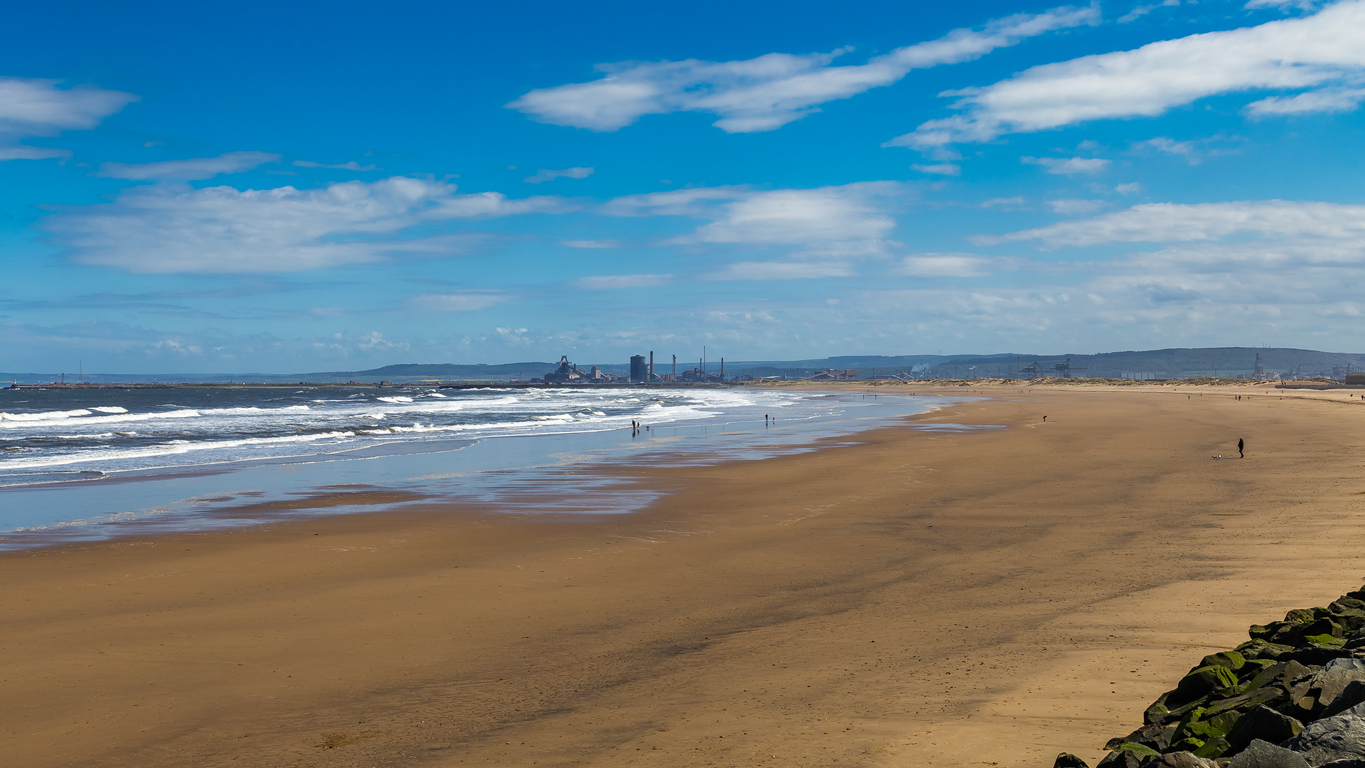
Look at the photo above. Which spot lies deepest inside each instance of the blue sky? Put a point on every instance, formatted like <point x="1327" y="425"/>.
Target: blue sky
<point x="322" y="186"/>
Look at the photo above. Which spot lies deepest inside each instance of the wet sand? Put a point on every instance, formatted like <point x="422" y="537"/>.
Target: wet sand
<point x="917" y="598"/>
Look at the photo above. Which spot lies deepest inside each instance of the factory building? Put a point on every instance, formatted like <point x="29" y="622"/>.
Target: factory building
<point x="568" y="373"/>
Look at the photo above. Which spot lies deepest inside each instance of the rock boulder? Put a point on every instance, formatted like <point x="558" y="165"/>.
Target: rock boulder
<point x="1333" y="738"/>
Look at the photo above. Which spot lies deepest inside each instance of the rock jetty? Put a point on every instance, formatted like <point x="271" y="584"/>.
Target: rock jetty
<point x="1293" y="696"/>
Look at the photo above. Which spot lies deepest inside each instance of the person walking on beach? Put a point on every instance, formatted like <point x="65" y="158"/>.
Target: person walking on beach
<point x="1240" y="446"/>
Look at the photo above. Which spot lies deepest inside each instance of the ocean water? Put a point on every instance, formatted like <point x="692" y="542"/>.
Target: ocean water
<point x="93" y="464"/>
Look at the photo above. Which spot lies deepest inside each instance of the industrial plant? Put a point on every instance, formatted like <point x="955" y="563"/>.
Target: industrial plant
<point x="641" y="372"/>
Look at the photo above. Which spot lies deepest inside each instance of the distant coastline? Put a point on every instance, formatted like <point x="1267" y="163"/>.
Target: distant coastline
<point x="1246" y="363"/>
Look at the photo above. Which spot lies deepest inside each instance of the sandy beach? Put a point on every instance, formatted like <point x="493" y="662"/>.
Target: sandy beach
<point x="918" y="597"/>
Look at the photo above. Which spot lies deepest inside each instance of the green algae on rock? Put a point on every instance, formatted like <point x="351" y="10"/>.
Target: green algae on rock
<point x="1292" y="694"/>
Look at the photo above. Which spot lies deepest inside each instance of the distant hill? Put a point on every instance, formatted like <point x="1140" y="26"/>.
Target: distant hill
<point x="1149" y="364"/>
<point x="1162" y="363"/>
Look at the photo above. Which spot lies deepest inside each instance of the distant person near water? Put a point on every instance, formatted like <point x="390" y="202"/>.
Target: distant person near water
<point x="1240" y="446"/>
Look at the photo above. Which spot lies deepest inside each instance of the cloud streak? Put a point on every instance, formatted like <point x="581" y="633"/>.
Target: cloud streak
<point x="454" y="302"/>
<point x="766" y="93"/>
<point x="545" y="174"/>
<point x="619" y="282"/>
<point x="1315" y="54"/>
<point x="1068" y="166"/>
<point x="348" y="166"/>
<point x="39" y="108"/>
<point x="783" y="270"/>
<point x="1171" y="222"/>
<point x="188" y="170"/>
<point x="222" y="230"/>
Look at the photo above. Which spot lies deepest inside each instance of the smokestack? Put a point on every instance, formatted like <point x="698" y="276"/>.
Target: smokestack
<point x="722" y="369"/>
<point x="675" y="367"/>
<point x="651" y="366"/>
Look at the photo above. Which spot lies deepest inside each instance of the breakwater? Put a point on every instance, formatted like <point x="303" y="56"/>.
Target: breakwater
<point x="1292" y="696"/>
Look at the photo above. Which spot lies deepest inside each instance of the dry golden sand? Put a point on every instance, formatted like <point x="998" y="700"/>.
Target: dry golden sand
<point x="915" y="599"/>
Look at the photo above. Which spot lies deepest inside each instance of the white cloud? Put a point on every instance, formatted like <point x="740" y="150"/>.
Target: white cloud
<point x="22" y="152"/>
<point x="40" y="108"/>
<point x="782" y="270"/>
<point x="1315" y="52"/>
<point x="1068" y="166"/>
<point x="767" y="92"/>
<point x="1004" y="203"/>
<point x="839" y="221"/>
<point x="375" y="341"/>
<point x="617" y="282"/>
<point x="1143" y="10"/>
<point x="942" y="169"/>
<point x="545" y="174"/>
<point x="678" y="202"/>
<point x="1131" y="188"/>
<point x="223" y="230"/>
<point x="828" y="222"/>
<point x="1171" y="222"/>
<point x="454" y="302"/>
<point x="1168" y="146"/>
<point x="348" y="166"/>
<point x="188" y="170"/>
<point x="1283" y="5"/>
<point x="1327" y="100"/>
<point x="1070" y="207"/>
<point x="942" y="265"/>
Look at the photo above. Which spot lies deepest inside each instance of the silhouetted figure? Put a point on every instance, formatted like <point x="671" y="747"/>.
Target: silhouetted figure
<point x="1044" y="419"/>
<point x="1240" y="446"/>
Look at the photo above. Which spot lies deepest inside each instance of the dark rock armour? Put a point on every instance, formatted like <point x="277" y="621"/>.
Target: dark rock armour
<point x="1293" y="696"/>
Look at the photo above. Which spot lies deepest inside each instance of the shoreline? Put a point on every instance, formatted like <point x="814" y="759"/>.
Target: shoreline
<point x="516" y="470"/>
<point x="906" y="597"/>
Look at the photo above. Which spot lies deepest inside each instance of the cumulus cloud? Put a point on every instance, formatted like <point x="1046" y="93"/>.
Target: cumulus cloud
<point x="826" y="222"/>
<point x="188" y="170"/>
<point x="942" y="265"/>
<point x="1068" y="166"/>
<point x="39" y="108"/>
<point x="765" y="93"/>
<point x="223" y="230"/>
<point x="1171" y="222"/>
<point x="454" y="302"/>
<point x="348" y="166"/>
<point x="544" y="174"/>
<point x="1314" y="53"/>
<point x="617" y="282"/>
